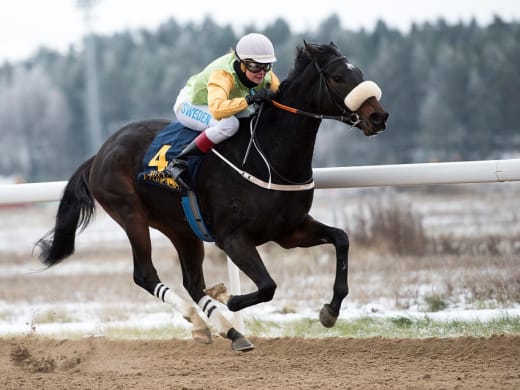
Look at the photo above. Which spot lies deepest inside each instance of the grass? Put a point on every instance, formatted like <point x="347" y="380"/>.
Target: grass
<point x="52" y="316"/>
<point x="396" y="327"/>
<point x="435" y="302"/>
<point x="364" y="327"/>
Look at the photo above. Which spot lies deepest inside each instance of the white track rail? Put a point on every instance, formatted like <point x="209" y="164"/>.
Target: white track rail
<point x="486" y="171"/>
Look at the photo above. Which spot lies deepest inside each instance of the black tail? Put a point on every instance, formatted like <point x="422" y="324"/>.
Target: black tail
<point x="75" y="211"/>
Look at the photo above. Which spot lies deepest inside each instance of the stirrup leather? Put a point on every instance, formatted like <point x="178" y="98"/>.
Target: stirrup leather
<point x="175" y="169"/>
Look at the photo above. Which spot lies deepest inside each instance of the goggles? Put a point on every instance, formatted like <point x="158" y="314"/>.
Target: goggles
<point x="256" y="67"/>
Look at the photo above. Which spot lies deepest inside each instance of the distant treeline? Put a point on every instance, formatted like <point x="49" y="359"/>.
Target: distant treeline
<point x="452" y="91"/>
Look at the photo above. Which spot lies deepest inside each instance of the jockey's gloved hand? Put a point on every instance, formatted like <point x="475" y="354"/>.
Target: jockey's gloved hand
<point x="264" y="95"/>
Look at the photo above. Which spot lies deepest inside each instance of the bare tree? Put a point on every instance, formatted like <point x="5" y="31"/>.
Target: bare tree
<point x="34" y="118"/>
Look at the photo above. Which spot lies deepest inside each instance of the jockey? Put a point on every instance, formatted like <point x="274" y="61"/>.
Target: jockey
<point x="213" y="99"/>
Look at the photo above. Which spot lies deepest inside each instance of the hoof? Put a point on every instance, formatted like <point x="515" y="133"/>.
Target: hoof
<point x="218" y="292"/>
<point x="202" y="336"/>
<point x="242" y="344"/>
<point x="327" y="316"/>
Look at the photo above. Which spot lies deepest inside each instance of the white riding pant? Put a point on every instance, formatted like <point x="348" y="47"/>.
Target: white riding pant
<point x="198" y="117"/>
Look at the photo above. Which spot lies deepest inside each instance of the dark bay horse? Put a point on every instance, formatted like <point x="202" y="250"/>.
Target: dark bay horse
<point x="273" y="205"/>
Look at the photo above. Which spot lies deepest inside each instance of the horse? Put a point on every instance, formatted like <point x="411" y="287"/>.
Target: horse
<point x="268" y="200"/>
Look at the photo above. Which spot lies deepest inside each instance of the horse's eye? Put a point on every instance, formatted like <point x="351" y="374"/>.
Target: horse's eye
<point x="337" y="79"/>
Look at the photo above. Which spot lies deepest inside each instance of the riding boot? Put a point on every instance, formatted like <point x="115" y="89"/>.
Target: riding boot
<point x="199" y="146"/>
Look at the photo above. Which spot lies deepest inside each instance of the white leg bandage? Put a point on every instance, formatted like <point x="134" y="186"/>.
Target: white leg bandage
<point x="210" y="307"/>
<point x="166" y="295"/>
<point x="188" y="310"/>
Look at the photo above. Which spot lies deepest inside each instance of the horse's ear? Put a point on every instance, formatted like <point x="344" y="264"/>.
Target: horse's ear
<point x="309" y="48"/>
<point x="333" y="44"/>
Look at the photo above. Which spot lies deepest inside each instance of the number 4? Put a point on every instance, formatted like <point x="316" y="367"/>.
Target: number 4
<point x="159" y="160"/>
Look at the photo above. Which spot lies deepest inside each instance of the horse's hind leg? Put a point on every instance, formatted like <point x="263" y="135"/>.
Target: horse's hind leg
<point x="136" y="228"/>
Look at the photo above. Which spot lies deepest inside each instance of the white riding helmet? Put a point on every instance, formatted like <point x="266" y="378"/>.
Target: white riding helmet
<point x="256" y="47"/>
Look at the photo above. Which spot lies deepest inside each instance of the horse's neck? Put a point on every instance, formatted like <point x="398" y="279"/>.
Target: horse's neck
<point x="296" y="132"/>
<point x="292" y="135"/>
<point x="287" y="142"/>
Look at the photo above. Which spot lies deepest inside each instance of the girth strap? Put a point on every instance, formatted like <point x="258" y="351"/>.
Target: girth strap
<point x="194" y="217"/>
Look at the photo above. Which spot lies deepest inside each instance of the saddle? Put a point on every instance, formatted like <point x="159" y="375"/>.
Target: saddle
<point x="167" y="144"/>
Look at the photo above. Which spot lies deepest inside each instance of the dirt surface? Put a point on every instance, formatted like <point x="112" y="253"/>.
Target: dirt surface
<point x="285" y="363"/>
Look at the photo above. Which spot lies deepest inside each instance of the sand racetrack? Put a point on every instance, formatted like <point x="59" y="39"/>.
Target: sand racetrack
<point x="34" y="362"/>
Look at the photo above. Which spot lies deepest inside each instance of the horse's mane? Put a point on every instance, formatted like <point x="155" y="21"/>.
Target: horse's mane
<point x="303" y="59"/>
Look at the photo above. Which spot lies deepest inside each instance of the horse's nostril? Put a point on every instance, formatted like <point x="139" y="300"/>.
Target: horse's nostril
<point x="379" y="118"/>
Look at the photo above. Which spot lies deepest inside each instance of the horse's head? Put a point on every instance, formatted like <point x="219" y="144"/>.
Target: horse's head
<point x="341" y="91"/>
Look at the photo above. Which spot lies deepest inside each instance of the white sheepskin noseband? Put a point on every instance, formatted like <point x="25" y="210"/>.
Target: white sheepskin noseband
<point x="361" y="93"/>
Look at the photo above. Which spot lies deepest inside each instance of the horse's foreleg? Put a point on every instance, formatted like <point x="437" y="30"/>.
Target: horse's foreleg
<point x="211" y="308"/>
<point x="312" y="233"/>
<point x="191" y="255"/>
<point x="244" y="254"/>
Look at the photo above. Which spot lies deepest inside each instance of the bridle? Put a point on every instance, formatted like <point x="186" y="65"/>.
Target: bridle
<point x="349" y="117"/>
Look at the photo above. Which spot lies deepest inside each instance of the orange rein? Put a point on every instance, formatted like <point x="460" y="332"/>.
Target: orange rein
<point x="352" y="119"/>
<point x="284" y="107"/>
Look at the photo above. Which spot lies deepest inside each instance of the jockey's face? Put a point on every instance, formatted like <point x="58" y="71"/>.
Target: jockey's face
<point x="257" y="77"/>
<point x="256" y="71"/>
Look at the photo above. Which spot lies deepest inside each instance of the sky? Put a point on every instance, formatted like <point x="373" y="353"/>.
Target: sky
<point x="26" y="25"/>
